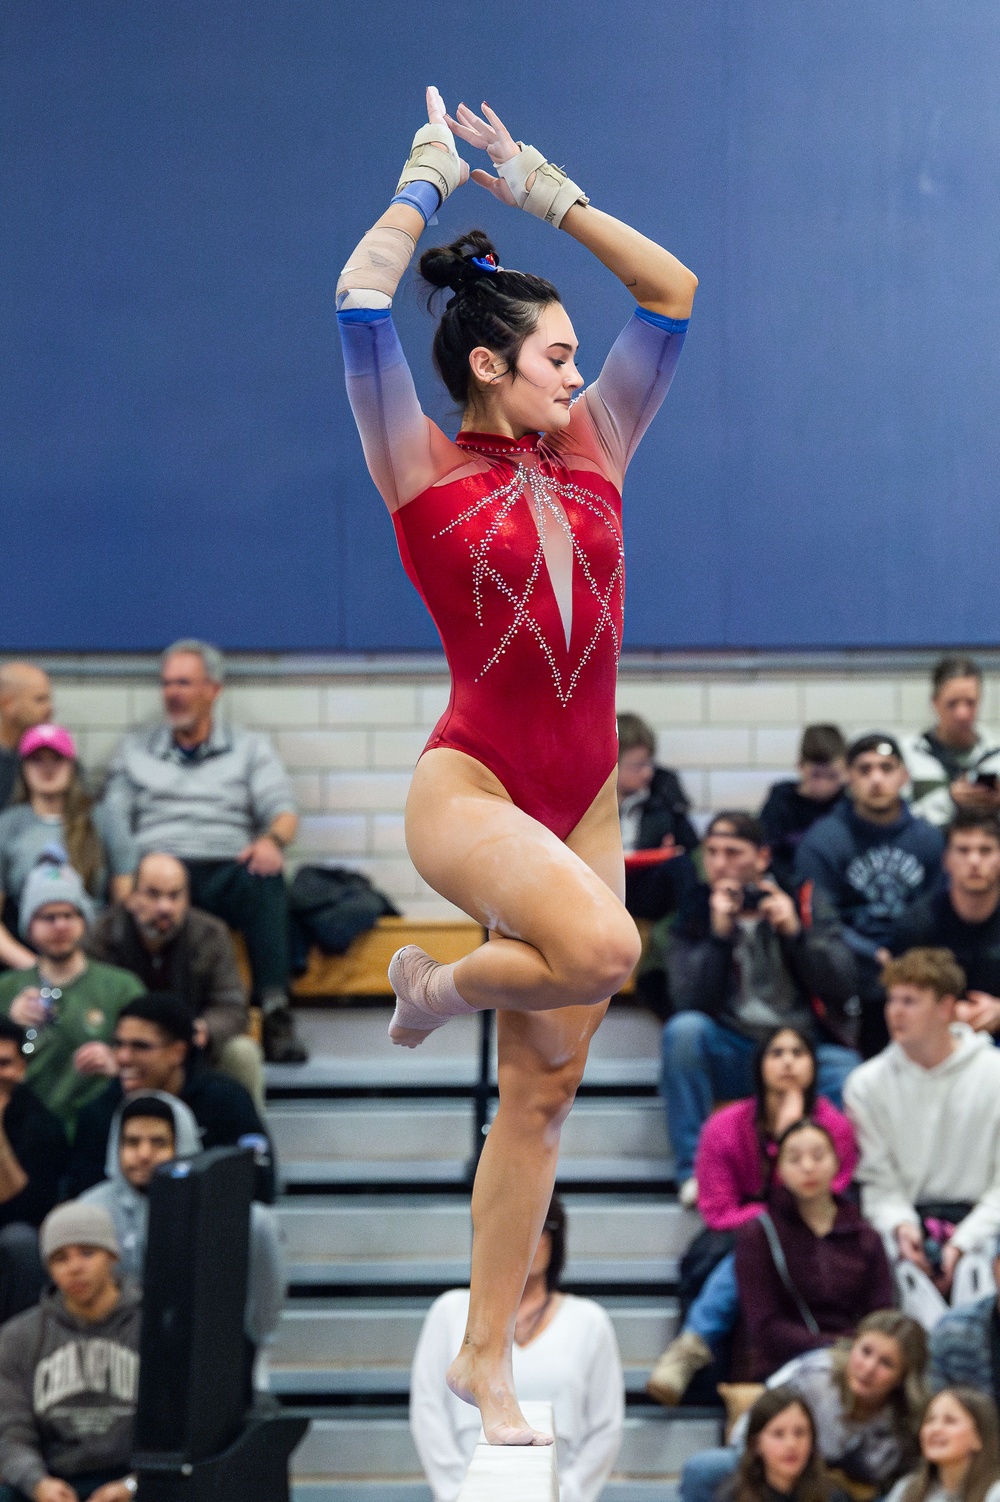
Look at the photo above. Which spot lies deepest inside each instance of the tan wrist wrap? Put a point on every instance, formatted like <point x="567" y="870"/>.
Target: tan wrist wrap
<point x="552" y="193"/>
<point x="429" y="164"/>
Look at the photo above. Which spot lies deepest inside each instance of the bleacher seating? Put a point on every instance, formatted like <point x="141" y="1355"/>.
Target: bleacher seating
<point x="376" y="1146"/>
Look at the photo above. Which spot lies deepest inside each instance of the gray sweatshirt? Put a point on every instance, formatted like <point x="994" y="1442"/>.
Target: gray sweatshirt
<point x="205" y="807"/>
<point x="129" y="1209"/>
<point x="68" y="1391"/>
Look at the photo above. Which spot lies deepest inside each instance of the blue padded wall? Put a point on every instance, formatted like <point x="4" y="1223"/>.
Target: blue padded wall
<point x="180" y="182"/>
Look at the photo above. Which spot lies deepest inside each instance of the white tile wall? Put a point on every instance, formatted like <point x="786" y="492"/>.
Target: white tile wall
<point x="350" y="741"/>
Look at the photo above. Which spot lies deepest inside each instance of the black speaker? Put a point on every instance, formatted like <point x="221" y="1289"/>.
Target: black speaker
<point x="192" y="1366"/>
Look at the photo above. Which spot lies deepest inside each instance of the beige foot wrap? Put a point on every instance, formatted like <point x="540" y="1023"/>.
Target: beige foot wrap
<point x="427" y="163"/>
<point x="552" y="193"/>
<point x="426" y="995"/>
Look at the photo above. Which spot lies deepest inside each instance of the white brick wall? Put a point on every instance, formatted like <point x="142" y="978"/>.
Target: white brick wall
<point x="350" y="738"/>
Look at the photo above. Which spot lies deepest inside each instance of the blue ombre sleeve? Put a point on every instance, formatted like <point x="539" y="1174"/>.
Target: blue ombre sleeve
<point x="395" y="434"/>
<point x="635" y="378"/>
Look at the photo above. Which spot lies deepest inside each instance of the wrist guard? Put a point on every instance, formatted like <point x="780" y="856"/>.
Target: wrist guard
<point x="427" y="163"/>
<point x="552" y="192"/>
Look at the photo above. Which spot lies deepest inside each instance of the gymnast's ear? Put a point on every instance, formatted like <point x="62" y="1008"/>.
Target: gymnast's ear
<point x="487" y="367"/>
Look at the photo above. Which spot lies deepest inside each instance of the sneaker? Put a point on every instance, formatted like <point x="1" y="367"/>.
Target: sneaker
<point x="688" y="1193"/>
<point x="671" y="1376"/>
<point x="282" y="1044"/>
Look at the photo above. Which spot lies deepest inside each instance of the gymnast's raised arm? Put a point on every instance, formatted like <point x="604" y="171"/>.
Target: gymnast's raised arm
<point x="404" y="450"/>
<point x="656" y="279"/>
<point x="637" y="373"/>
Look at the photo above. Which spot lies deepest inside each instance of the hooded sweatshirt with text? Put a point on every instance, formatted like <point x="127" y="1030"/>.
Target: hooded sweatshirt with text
<point x="68" y="1391"/>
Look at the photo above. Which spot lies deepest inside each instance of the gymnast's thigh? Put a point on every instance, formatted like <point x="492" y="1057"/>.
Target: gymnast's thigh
<point x="506" y="870"/>
<point x="541" y="1042"/>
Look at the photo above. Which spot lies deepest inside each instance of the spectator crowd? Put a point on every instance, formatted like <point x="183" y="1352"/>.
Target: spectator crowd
<point x="125" y="1043"/>
<point x="828" y="974"/>
<point x="827" y="970"/>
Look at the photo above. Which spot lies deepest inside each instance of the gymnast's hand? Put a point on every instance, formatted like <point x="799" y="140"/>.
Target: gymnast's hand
<point x="437" y="114"/>
<point x="493" y="137"/>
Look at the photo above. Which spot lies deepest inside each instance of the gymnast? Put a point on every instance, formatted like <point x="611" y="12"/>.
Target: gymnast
<point x="511" y="533"/>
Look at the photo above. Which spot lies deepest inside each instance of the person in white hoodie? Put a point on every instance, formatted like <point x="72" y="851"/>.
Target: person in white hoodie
<point x="153" y="1128"/>
<point x="926" y="1112"/>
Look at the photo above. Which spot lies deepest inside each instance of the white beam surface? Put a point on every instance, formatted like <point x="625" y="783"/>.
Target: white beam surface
<point x="515" y="1473"/>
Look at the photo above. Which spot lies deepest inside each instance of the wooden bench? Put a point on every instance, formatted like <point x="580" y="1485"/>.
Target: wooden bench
<point x="362" y="971"/>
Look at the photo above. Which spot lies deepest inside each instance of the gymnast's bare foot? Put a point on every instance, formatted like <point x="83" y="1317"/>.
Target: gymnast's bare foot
<point x="493" y="1394"/>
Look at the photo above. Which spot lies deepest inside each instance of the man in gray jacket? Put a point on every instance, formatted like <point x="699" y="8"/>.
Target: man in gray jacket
<point x="69" y="1371"/>
<point x="217" y="797"/>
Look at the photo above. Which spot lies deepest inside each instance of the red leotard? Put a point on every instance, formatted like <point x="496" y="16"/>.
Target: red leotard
<point x="516" y="550"/>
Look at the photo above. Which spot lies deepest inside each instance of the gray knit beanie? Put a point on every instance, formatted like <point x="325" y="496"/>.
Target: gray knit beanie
<point x="49" y="882"/>
<point x="77" y="1224"/>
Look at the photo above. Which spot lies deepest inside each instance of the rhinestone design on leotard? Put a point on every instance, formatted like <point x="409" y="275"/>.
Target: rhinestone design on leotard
<point x="544" y="491"/>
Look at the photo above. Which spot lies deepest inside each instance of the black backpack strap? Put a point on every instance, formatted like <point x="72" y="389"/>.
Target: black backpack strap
<point x="778" y="1256"/>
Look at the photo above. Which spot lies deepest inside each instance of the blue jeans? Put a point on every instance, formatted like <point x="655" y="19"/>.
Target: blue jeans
<point x="717" y="1307"/>
<point x="704" y="1474"/>
<point x="704" y="1062"/>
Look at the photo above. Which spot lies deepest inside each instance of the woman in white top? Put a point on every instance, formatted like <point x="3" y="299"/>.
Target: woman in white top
<point x="565" y="1353"/>
<point x="960" y="1445"/>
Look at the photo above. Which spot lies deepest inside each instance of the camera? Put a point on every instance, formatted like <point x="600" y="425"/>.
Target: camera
<point x="753" y="896"/>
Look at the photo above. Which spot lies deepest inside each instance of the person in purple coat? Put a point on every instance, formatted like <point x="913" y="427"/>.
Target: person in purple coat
<point x="809" y="1267"/>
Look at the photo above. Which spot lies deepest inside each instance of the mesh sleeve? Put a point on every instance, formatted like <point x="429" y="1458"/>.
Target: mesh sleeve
<point x="635" y="378"/>
<point x="405" y="451"/>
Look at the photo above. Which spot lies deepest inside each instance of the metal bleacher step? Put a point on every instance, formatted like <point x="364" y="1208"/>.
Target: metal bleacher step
<point x="411" y="1239"/>
<point x="349" y="1048"/>
<point x="334" y="1142"/>
<point x="370" y="1457"/>
<point x="364" y="1347"/>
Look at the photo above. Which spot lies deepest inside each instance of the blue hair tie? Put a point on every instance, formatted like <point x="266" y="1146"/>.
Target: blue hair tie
<point x="485" y="263"/>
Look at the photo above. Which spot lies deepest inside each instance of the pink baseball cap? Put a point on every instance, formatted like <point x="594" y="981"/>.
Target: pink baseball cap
<point x="53" y="736"/>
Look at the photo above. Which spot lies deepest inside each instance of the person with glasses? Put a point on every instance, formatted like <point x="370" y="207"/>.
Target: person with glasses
<point x="67" y="1003"/>
<point x="154" y="1050"/>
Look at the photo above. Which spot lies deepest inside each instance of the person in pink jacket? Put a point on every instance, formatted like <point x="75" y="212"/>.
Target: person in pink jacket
<point x="735" y="1159"/>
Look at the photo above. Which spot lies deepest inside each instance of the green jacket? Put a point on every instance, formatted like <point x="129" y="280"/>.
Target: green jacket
<point x="85" y="1013"/>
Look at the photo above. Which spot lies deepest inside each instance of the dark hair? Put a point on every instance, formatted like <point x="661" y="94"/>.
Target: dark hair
<point x="822" y="744"/>
<point x="632" y="732"/>
<point x="496" y="309"/>
<point x="743" y="826"/>
<point x="984" y="1467"/>
<point x="165" y="1011"/>
<point x="555" y="1224"/>
<point x="149" y="1106"/>
<point x="760" y="1090"/>
<point x="750" y="1481"/>
<point x="874" y="741"/>
<point x="10" y="1032"/>
<point x="971" y="818"/>
<point x="808" y="1124"/>
<point x="956" y="666"/>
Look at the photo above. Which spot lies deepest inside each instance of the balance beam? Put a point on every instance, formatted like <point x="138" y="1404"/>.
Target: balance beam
<point x="515" y="1473"/>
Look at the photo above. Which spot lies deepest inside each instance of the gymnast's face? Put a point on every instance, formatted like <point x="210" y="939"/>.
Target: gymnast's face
<point x="536" y="398"/>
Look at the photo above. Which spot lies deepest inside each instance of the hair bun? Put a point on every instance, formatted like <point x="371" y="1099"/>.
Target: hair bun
<point x="451" y="265"/>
